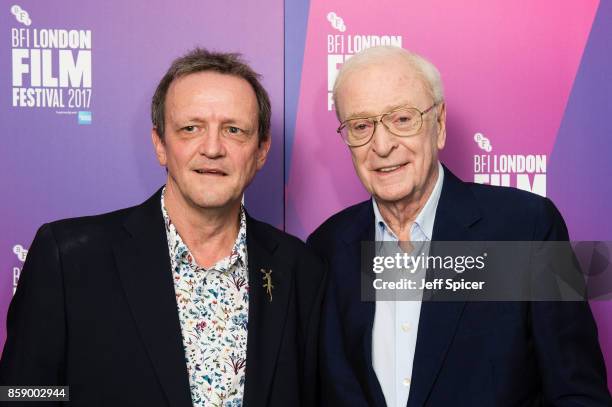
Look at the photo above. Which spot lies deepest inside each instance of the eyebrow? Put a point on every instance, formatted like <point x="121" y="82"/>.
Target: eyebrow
<point x="222" y="120"/>
<point x="388" y="108"/>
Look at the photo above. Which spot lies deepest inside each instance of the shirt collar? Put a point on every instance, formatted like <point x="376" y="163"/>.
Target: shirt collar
<point x="180" y="253"/>
<point x="424" y="222"/>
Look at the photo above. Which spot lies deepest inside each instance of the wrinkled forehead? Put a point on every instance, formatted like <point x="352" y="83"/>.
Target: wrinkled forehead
<point x="209" y="92"/>
<point x="374" y="88"/>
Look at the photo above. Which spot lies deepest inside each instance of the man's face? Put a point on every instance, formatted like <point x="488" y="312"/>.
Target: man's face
<point x="211" y="147"/>
<point x="393" y="168"/>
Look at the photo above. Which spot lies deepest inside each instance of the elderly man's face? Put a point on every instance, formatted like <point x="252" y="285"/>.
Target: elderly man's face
<point x="211" y="149"/>
<point x="392" y="168"/>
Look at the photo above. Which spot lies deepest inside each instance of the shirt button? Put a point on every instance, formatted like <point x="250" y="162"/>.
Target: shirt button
<point x="406" y="326"/>
<point x="406" y="382"/>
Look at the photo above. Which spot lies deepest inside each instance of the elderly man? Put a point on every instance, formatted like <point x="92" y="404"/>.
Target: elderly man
<point x="419" y="353"/>
<point x="183" y="300"/>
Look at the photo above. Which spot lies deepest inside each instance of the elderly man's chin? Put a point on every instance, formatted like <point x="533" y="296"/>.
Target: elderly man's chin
<point x="394" y="193"/>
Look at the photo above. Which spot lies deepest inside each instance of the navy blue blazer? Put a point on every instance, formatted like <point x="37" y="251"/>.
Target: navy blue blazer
<point x="95" y="309"/>
<point x="467" y="353"/>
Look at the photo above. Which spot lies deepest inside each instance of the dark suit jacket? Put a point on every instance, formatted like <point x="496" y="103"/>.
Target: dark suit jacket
<point x="467" y="353"/>
<point x="95" y="309"/>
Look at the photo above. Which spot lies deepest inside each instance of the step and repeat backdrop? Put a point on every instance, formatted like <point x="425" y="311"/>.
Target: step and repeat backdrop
<point x="527" y="86"/>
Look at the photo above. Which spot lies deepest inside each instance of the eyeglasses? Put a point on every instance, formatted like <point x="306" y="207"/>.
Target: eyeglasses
<point x="403" y="122"/>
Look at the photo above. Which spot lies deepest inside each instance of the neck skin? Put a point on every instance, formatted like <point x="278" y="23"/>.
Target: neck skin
<point x="400" y="215"/>
<point x="208" y="233"/>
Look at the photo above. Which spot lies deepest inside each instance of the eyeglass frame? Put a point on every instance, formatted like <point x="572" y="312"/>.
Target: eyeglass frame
<point x="380" y="120"/>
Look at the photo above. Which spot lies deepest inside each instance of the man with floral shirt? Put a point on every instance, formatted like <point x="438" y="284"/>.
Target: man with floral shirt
<point x="185" y="299"/>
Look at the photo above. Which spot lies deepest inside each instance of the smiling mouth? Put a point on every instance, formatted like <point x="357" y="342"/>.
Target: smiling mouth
<point x="211" y="172"/>
<point x="386" y="170"/>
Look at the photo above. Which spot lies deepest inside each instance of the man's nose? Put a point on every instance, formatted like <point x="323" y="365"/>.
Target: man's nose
<point x="383" y="142"/>
<point x="211" y="145"/>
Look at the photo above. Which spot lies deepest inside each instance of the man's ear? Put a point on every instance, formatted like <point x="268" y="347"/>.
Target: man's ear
<point x="160" y="147"/>
<point x="441" y="121"/>
<point x="262" y="151"/>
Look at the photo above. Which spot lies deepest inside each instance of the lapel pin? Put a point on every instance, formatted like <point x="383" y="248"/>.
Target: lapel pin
<point x="267" y="278"/>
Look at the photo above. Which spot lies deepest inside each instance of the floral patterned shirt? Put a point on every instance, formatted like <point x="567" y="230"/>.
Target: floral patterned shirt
<point x="213" y="309"/>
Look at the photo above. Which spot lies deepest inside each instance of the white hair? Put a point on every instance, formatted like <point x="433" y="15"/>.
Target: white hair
<point x="418" y="65"/>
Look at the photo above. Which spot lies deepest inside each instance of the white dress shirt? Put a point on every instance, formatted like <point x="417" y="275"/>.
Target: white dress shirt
<point x="396" y="323"/>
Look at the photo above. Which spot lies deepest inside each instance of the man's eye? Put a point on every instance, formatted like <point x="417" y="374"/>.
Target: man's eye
<point x="360" y="125"/>
<point x="234" y="131"/>
<point x="401" y="117"/>
<point x="403" y="121"/>
<point x="189" y="129"/>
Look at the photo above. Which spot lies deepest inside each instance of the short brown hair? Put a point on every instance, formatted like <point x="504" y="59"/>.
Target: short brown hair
<point x="201" y="60"/>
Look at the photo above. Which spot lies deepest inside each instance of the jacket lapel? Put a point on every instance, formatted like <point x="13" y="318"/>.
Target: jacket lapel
<point x="456" y="213"/>
<point x="362" y="230"/>
<point x="267" y="314"/>
<point x="143" y="263"/>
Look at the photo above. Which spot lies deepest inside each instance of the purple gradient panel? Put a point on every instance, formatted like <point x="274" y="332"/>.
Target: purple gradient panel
<point x="580" y="170"/>
<point x="53" y="168"/>
<point x="296" y="23"/>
